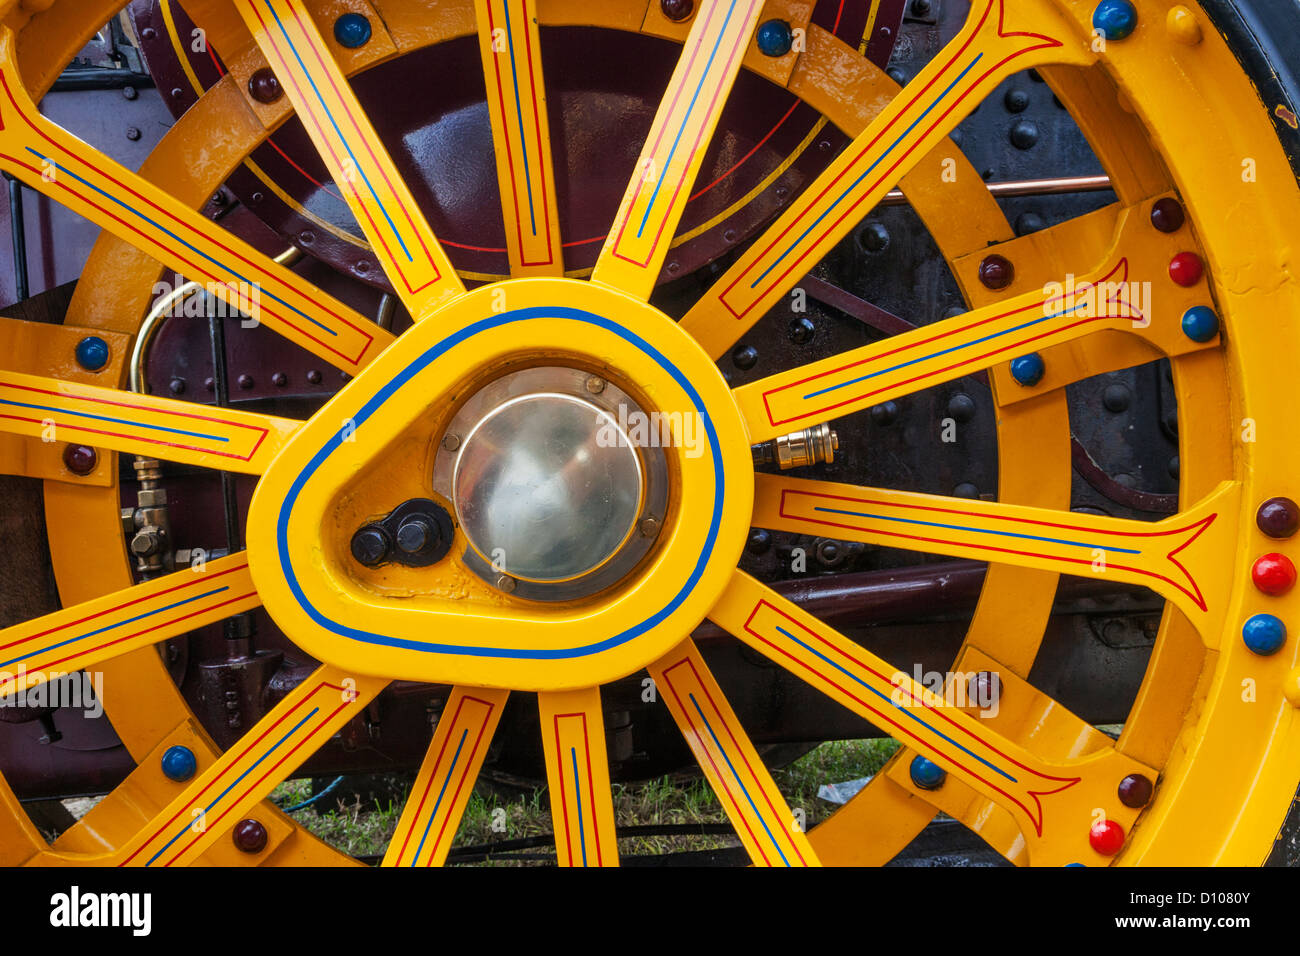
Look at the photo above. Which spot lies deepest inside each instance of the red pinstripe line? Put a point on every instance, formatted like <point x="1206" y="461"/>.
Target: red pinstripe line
<point x="464" y="776"/>
<point x="717" y="771"/>
<point x="591" y="784"/>
<point x="537" y="128"/>
<point x="81" y="396"/>
<point x="252" y="744"/>
<point x="564" y="799"/>
<point x="433" y="774"/>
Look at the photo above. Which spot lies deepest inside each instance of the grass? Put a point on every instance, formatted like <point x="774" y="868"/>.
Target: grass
<point x="494" y="815"/>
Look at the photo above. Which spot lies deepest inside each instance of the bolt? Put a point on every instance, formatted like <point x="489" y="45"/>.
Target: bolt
<point x="415" y="534"/>
<point x="650" y="526"/>
<point x="370" y="546"/>
<point x="133" y="134"/>
<point x="506" y="583"/>
<point x="451" y="442"/>
<point x="130" y="92"/>
<point x="595" y="384"/>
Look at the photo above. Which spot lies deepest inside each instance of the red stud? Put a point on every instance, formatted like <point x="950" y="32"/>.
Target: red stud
<point x="249" y="835"/>
<point x="996" y="272"/>
<point x="1106" y="837"/>
<point x="1186" y="269"/>
<point x="1274" y="574"/>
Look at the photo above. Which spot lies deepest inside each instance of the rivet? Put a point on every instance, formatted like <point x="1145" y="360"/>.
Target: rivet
<point x="176" y="386"/>
<point x="1264" y="634"/>
<point x="595" y="384"/>
<point x="774" y="38"/>
<point x="873" y="237"/>
<point x="279" y="380"/>
<point x="745" y="357"/>
<point x="984" y="690"/>
<point x="1106" y="837"/>
<point x="413" y="535"/>
<point x="80" y="459"/>
<point x="1016" y="101"/>
<point x="996" y="272"/>
<point x="1167" y="214"/>
<point x="352" y="30"/>
<point x="1028" y="370"/>
<point x="133" y="133"/>
<point x="966" y="490"/>
<point x="801" y="330"/>
<point x="245" y="381"/>
<point x="1117" y="397"/>
<point x="1135" y="791"/>
<point x="313" y="377"/>
<point x="1028" y="222"/>
<point x="926" y="774"/>
<point x="451" y="442"/>
<point x="1278" y="517"/>
<point x="263" y="86"/>
<point x="506" y="583"/>
<point x="1024" y="135"/>
<point x="886" y="413"/>
<point x="961" y="407"/>
<point x="760" y="540"/>
<point x="130" y="92"/>
<point x="1274" y="574"/>
<point x="1186" y="269"/>
<point x="92" y="353"/>
<point x="677" y="10"/>
<point x="249" y="835"/>
<point x="1114" y="19"/>
<point x="649" y="526"/>
<point x="1200" y="324"/>
<point x="1183" y="26"/>
<point x="179" y="763"/>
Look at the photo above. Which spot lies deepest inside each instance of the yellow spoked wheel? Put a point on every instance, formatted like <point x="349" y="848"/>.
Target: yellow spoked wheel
<point x="516" y="392"/>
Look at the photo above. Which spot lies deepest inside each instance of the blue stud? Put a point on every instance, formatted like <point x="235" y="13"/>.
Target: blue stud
<point x="927" y="775"/>
<point x="1028" y="369"/>
<point x="352" y="30"/>
<point x="92" y="353"/>
<point x="1069" y="865"/>
<point x="1264" y="634"/>
<point x="1200" y="324"/>
<point x="1114" y="19"/>
<point x="774" y="38"/>
<point x="178" y="763"/>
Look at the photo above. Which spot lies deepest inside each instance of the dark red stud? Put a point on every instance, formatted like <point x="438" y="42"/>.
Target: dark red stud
<point x="984" y="690"/>
<point x="1167" y="214"/>
<point x="1274" y="574"/>
<point x="1278" y="517"/>
<point x="1135" y="792"/>
<point x="80" y="459"/>
<point x="1106" y="837"/>
<point x="249" y="835"/>
<point x="263" y="86"/>
<point x="997" y="272"/>
<point x="677" y="10"/>
<point x="1186" y="269"/>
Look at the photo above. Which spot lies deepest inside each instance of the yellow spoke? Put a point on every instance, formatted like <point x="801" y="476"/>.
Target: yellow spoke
<point x="55" y="410"/>
<point x="1046" y="798"/>
<point x="446" y="778"/>
<point x="54" y="162"/>
<point x="516" y="99"/>
<point x="763" y="820"/>
<point x="577" y="770"/>
<point x="1178" y="558"/>
<point x="674" y="151"/>
<point x="85" y="634"/>
<point x="998" y="39"/>
<point x="356" y="157"/>
<point x="1105" y="298"/>
<point x="241" y="777"/>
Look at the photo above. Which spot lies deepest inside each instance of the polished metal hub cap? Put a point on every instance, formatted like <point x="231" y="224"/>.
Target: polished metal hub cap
<point x="556" y="494"/>
<point x="547" y="487"/>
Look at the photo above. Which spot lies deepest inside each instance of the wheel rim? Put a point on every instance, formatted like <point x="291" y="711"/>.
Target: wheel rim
<point x="1191" y="756"/>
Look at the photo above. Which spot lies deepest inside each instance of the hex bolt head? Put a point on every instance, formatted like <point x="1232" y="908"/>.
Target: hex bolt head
<point x="370" y="546"/>
<point x="415" y="534"/>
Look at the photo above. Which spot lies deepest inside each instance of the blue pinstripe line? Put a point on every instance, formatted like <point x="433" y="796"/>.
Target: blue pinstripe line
<point x="878" y="161"/>
<point x="577" y="795"/>
<point x="681" y="128"/>
<point x="342" y="138"/>
<point x="235" y="783"/>
<point x="519" y="113"/>
<point x="110" y="627"/>
<point x="115" y="421"/>
<point x="958" y="527"/>
<point x="437" y="803"/>
<point x="952" y="348"/>
<point x="194" y="249"/>
<point x="906" y="710"/>
<point x="400" y="380"/>
<point x="743" y="790"/>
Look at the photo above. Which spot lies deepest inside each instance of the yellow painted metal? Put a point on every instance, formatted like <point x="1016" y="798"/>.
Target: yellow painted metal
<point x="382" y="203"/>
<point x="446" y="779"/>
<point x="1226" y="764"/>
<point x="1050" y="799"/>
<point x="1180" y="558"/>
<point x="58" y="411"/>
<point x="82" y="635"/>
<point x="577" y="770"/>
<point x="511" y="51"/>
<point x="998" y="39"/>
<point x="770" y="831"/>
<point x="652" y="207"/>
<point x="452" y="636"/>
